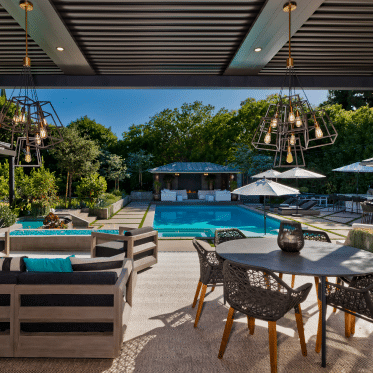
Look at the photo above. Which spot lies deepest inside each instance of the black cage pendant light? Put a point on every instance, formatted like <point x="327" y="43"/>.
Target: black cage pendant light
<point x="292" y="122"/>
<point x="24" y="115"/>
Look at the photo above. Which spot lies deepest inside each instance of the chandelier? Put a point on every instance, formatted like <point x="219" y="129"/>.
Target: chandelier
<point x="292" y="125"/>
<point x="35" y="122"/>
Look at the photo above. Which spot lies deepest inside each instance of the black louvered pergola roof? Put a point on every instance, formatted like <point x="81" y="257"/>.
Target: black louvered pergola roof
<point x="188" y="43"/>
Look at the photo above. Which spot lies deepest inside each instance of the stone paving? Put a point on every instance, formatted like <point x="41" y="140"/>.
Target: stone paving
<point x="130" y="216"/>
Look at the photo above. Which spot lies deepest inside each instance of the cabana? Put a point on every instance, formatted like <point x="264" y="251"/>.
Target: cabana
<point x="195" y="177"/>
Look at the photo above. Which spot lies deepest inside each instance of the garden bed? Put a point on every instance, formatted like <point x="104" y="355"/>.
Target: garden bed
<point x="361" y="238"/>
<point x="107" y="212"/>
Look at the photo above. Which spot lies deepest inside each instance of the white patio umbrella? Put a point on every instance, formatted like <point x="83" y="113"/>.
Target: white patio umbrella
<point x="367" y="162"/>
<point x="357" y="168"/>
<point x="299" y="173"/>
<point x="265" y="188"/>
<point x="269" y="174"/>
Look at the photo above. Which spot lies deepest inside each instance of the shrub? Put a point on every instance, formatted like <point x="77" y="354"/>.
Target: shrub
<point x="7" y="216"/>
<point x="117" y="193"/>
<point x="91" y="188"/>
<point x="303" y="189"/>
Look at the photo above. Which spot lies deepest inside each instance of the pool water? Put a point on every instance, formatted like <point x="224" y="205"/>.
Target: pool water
<point x="201" y="221"/>
<point x="31" y="224"/>
<point x="60" y="232"/>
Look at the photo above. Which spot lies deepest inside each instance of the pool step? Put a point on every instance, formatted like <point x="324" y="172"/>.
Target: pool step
<point x="80" y="219"/>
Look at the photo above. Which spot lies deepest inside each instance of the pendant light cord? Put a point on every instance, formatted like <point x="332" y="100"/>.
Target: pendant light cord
<point x="289" y="29"/>
<point x="26" y="32"/>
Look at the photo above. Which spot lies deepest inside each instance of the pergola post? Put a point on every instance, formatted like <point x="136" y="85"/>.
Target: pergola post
<point x="11" y="180"/>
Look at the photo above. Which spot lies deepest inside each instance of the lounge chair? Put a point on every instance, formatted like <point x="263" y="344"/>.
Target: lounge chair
<point x="305" y="209"/>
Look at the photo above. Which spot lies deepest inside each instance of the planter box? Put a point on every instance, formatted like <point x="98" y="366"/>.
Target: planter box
<point x="361" y="238"/>
<point x="141" y="196"/>
<point x="51" y="243"/>
<point x="106" y="213"/>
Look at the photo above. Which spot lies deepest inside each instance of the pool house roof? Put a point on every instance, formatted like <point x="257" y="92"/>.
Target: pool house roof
<point x="193" y="168"/>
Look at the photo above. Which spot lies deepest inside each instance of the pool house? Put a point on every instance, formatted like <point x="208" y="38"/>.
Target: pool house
<point x="195" y="178"/>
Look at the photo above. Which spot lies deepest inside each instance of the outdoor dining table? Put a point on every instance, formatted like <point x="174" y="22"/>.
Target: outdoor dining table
<point x="318" y="259"/>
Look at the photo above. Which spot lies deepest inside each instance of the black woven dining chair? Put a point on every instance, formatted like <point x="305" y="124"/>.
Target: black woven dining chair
<point x="260" y="294"/>
<point x="313" y="236"/>
<point x="211" y="273"/>
<point x="227" y="234"/>
<point x="356" y="300"/>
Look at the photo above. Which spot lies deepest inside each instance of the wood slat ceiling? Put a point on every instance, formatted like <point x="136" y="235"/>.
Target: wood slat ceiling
<point x="159" y="37"/>
<point x="12" y="49"/>
<point x="336" y="40"/>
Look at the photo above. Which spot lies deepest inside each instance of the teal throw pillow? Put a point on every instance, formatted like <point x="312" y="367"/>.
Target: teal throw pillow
<point x="48" y="265"/>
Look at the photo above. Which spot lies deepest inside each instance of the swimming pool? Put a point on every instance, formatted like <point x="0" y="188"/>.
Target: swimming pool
<point x="30" y="224"/>
<point x="60" y="232"/>
<point x="201" y="221"/>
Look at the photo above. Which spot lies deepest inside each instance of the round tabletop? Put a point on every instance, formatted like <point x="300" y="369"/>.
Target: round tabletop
<point x="315" y="259"/>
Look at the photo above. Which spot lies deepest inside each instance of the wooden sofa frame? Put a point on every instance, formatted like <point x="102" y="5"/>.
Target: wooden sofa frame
<point x="151" y="248"/>
<point x="6" y="240"/>
<point x="69" y="344"/>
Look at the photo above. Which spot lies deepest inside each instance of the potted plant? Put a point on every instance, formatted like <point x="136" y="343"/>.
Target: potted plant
<point x="168" y="180"/>
<point x="233" y="186"/>
<point x="157" y="187"/>
<point x="211" y="180"/>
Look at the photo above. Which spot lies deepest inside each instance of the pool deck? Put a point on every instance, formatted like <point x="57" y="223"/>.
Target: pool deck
<point x="336" y="224"/>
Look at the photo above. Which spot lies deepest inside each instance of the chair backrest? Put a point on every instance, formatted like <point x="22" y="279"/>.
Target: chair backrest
<point x="308" y="205"/>
<point x="289" y="201"/>
<point x="316" y="236"/>
<point x="256" y="291"/>
<point x="227" y="234"/>
<point x="211" y="267"/>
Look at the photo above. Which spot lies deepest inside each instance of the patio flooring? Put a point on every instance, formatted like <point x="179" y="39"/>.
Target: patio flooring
<point x="161" y="336"/>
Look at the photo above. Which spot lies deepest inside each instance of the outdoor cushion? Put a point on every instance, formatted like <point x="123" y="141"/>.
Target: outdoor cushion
<point x="135" y="232"/>
<point x="10" y="264"/>
<point x="111" y="248"/>
<point x="48" y="264"/>
<point x="97" y="264"/>
<point x="60" y="278"/>
<point x="67" y="300"/>
<point x="66" y="327"/>
<point x="9" y="277"/>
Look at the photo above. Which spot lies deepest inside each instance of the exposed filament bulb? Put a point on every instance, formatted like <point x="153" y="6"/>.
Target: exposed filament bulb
<point x="267" y="138"/>
<point x="292" y="139"/>
<point x="298" y="120"/>
<point x="274" y="120"/>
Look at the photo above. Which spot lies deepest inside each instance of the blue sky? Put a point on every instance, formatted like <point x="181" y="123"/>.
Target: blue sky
<point x="120" y="108"/>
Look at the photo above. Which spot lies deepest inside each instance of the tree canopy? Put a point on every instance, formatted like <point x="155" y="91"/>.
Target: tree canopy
<point x="89" y="128"/>
<point x="350" y="100"/>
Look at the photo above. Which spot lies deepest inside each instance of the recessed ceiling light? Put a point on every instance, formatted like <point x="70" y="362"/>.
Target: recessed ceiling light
<point x="60" y="49"/>
<point x="257" y="49"/>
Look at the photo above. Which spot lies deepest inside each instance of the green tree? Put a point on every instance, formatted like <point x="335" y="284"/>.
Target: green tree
<point x="77" y="155"/>
<point x="38" y="191"/>
<point x="114" y="168"/>
<point x="138" y="163"/>
<point x="350" y="100"/>
<point x="90" y="188"/>
<point x="89" y="128"/>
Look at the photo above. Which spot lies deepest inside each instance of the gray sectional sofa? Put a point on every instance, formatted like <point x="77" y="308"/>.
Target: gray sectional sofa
<point x="75" y="315"/>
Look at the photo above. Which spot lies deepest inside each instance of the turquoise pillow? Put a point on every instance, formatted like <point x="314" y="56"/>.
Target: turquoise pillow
<point x="48" y="265"/>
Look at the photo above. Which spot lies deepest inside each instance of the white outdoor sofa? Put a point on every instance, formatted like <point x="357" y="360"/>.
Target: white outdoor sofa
<point x="203" y="193"/>
<point x="222" y="195"/>
<point x="182" y="193"/>
<point x="168" y="195"/>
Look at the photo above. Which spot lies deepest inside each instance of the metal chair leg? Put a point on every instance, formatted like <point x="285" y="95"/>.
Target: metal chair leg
<point x="227" y="331"/>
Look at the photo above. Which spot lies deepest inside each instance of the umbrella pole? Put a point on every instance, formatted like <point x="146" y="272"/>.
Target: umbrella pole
<point x="265" y="217"/>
